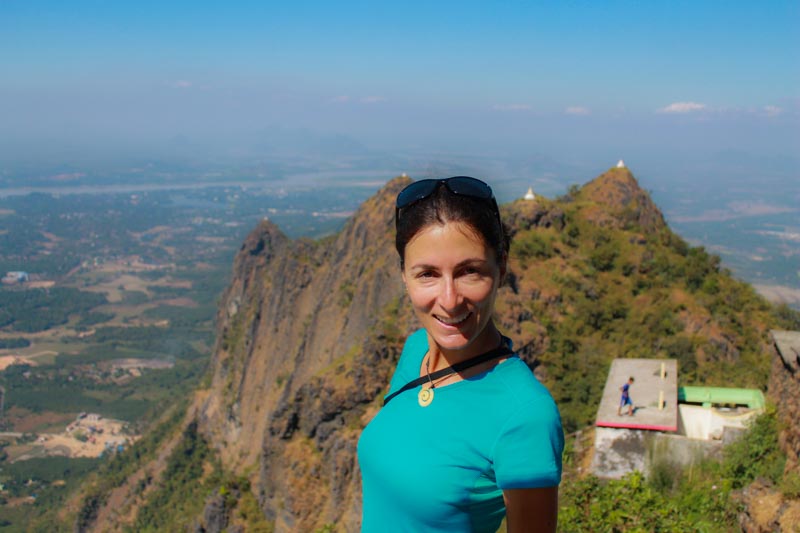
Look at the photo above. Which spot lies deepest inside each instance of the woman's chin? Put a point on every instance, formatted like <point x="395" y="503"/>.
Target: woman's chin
<point x="450" y="343"/>
<point x="465" y="336"/>
<point x="448" y="338"/>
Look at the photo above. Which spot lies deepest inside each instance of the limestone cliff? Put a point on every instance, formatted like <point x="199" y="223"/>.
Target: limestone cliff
<point x="308" y="334"/>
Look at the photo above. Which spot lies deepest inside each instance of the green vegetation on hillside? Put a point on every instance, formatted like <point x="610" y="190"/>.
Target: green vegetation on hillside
<point x="179" y="496"/>
<point x="604" y="288"/>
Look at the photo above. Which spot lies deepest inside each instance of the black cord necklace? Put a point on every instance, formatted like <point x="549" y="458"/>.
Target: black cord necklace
<point x="425" y="395"/>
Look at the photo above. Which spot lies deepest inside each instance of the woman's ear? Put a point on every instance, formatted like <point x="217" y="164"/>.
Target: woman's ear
<point x="503" y="268"/>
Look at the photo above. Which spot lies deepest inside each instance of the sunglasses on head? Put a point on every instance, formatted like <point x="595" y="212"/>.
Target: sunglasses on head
<point x="458" y="185"/>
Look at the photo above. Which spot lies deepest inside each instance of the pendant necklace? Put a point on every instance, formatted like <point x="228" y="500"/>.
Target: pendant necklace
<point x="430" y="380"/>
<point x="425" y="396"/>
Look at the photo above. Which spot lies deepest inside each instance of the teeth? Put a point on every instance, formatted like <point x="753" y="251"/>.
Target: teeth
<point x="454" y="320"/>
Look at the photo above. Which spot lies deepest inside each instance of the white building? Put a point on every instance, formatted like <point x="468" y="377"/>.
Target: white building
<point x="529" y="195"/>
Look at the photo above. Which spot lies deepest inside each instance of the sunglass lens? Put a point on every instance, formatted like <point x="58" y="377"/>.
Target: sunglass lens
<point x="466" y="186"/>
<point x="416" y="191"/>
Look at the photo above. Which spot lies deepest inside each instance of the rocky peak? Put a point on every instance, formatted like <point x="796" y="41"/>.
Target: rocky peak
<point x="262" y="237"/>
<point x="623" y="201"/>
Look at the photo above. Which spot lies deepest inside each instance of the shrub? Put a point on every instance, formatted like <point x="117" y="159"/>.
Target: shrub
<point x="531" y="245"/>
<point x="627" y="504"/>
<point x="787" y="317"/>
<point x="790" y="485"/>
<point x="756" y="454"/>
<point x="663" y="477"/>
<point x="603" y="257"/>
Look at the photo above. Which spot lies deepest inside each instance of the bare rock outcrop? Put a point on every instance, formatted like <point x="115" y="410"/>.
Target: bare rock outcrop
<point x="308" y="335"/>
<point x="623" y="201"/>
<point x="765" y="507"/>
<point x="784" y="392"/>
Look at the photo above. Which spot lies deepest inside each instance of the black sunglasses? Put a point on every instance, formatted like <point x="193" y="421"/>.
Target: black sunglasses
<point x="458" y="185"/>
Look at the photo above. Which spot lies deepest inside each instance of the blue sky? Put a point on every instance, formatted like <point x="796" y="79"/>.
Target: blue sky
<point x="559" y="78"/>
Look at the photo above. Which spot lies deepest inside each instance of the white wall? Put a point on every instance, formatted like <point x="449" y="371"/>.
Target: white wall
<point x="698" y="422"/>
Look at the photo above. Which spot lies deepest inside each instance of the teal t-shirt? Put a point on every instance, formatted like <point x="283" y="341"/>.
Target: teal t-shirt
<point x="444" y="467"/>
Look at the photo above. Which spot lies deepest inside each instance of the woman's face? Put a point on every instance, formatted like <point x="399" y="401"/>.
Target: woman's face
<point x="452" y="277"/>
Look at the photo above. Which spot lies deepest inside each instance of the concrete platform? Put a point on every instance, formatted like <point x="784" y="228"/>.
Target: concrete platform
<point x="788" y="346"/>
<point x="649" y="386"/>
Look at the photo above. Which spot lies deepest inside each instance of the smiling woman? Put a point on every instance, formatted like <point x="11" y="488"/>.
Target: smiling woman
<point x="481" y="438"/>
<point x="452" y="279"/>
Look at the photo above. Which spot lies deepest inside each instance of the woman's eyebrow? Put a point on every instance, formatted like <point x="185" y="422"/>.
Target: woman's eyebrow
<point x="423" y="266"/>
<point x="472" y="261"/>
<point x="465" y="262"/>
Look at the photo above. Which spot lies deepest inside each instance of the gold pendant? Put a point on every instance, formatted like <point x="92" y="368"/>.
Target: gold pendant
<point x="425" y="396"/>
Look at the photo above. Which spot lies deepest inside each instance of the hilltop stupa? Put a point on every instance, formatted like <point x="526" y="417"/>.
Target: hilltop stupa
<point x="529" y="195"/>
<point x="620" y="164"/>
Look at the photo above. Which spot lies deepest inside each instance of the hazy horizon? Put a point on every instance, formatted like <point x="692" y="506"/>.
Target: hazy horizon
<point x="87" y="82"/>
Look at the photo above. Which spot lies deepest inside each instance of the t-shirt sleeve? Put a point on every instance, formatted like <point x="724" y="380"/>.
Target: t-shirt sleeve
<point x="406" y="370"/>
<point x="527" y="453"/>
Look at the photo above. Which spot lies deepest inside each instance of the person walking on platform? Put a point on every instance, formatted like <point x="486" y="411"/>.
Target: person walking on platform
<point x="626" y="398"/>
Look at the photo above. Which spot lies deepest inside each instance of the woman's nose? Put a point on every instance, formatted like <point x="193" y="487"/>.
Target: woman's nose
<point x="449" y="297"/>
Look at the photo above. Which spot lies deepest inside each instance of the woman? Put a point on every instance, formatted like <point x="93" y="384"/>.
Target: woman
<point x="467" y="434"/>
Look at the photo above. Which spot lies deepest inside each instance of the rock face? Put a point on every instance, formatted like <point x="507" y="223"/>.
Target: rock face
<point x="765" y="508"/>
<point x="304" y="348"/>
<point x="784" y="392"/>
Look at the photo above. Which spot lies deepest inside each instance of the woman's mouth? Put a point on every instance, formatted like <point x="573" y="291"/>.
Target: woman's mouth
<point x="453" y="322"/>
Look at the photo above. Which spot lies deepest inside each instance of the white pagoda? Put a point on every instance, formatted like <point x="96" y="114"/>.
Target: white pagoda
<point x="529" y="195"/>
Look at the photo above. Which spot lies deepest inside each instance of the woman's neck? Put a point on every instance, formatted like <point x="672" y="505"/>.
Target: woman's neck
<point x="440" y="358"/>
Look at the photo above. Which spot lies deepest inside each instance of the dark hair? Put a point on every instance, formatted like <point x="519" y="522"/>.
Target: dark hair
<point x="443" y="206"/>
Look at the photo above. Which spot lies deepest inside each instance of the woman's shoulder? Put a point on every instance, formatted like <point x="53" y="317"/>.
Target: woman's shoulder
<point x="520" y="385"/>
<point x="414" y="349"/>
<point x="410" y="359"/>
<point x="416" y="341"/>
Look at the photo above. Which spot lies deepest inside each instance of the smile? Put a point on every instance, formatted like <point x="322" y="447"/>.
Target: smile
<point x="454" y="321"/>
